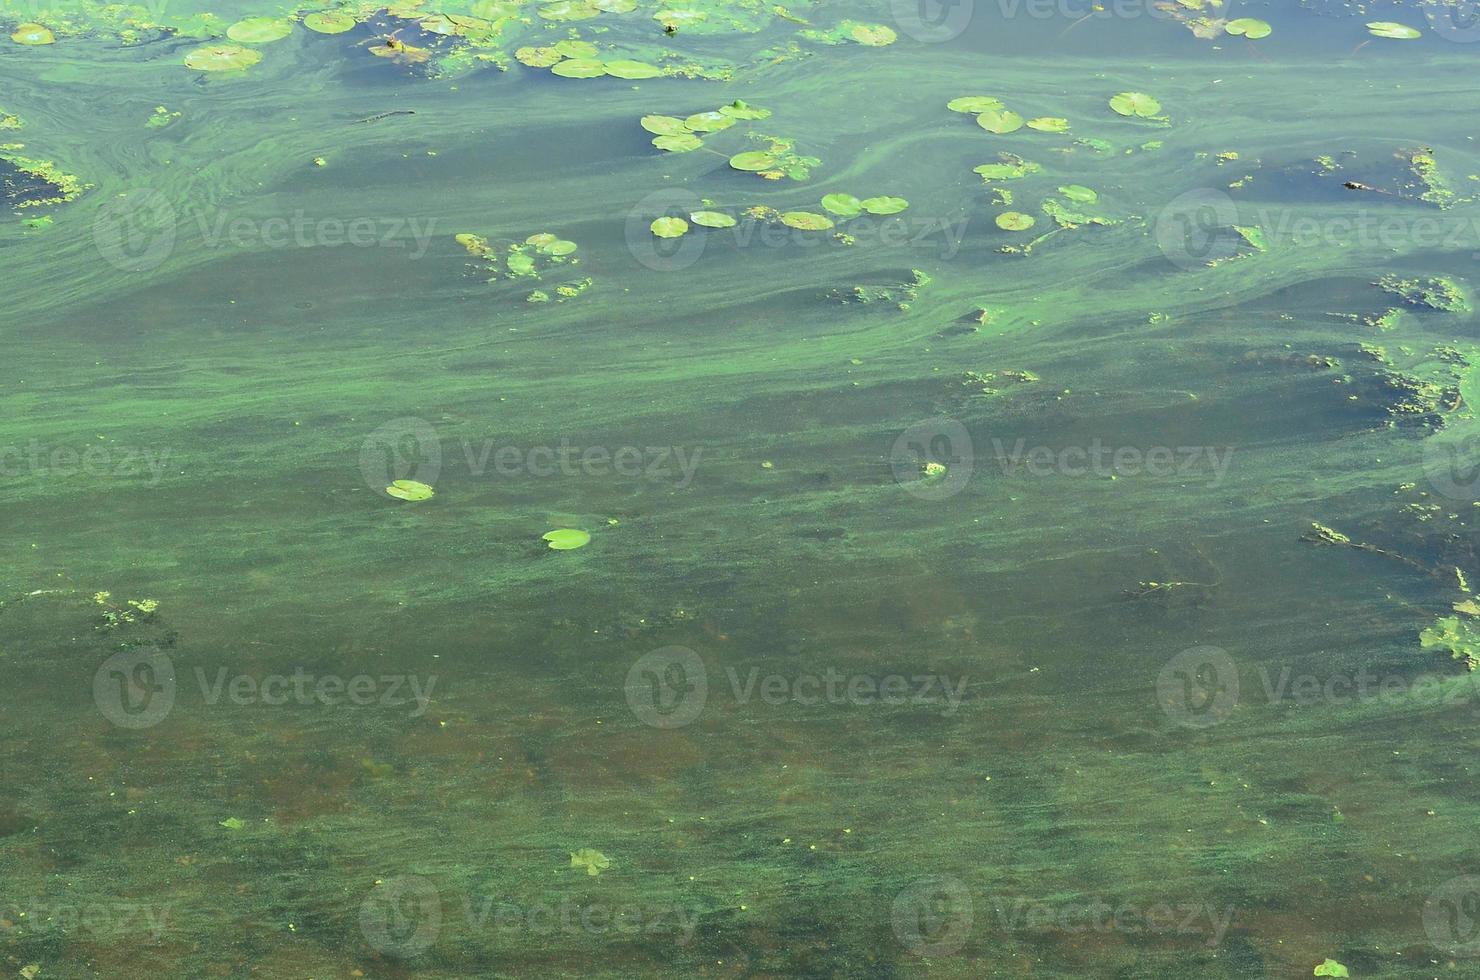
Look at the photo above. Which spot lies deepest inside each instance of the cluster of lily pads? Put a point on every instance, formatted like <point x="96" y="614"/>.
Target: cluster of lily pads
<point x="844" y="207"/>
<point x="993" y="115"/>
<point x="869" y="35"/>
<point x="529" y="259"/>
<point x="675" y="135"/>
<point x="578" y="59"/>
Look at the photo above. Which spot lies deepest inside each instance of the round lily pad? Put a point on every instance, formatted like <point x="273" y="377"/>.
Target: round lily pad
<point x="709" y="122"/>
<point x="33" y="34"/>
<point x="222" y="57"/>
<point x="873" y="35"/>
<point x="975" y="104"/>
<point x="843" y="205"/>
<point x="1135" y="104"/>
<point x="259" y="30"/>
<point x="669" y="227"/>
<point x="678" y="142"/>
<point x="632" y="69"/>
<point x="577" y="49"/>
<point x="753" y="160"/>
<point x="579" y="68"/>
<point x="1000" y="121"/>
<point x="538" y="57"/>
<point x="806" y="221"/>
<point x="741" y="109"/>
<point x="1080" y="193"/>
<point x="568" y="10"/>
<point x="1014" y="221"/>
<point x="567" y="539"/>
<point x="884" y="205"/>
<point x="1250" y="27"/>
<point x="712" y="219"/>
<point x="329" y="22"/>
<point x="540" y="240"/>
<point x="559" y="247"/>
<point x="1049" y="124"/>
<point x="1398" y="32"/>
<point x="409" y="490"/>
<point x="663" y="125"/>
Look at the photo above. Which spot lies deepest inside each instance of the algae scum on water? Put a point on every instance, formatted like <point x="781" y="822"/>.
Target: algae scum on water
<point x="618" y="488"/>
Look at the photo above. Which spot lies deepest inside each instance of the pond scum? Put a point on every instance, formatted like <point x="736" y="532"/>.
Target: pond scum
<point x="239" y="240"/>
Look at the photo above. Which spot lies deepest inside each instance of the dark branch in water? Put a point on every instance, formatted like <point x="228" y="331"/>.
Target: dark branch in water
<point x="387" y="115"/>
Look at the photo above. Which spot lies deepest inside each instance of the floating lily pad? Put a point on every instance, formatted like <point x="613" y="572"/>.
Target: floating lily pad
<point x="577" y="49"/>
<point x="1135" y="104"/>
<point x="744" y="110"/>
<point x="538" y="57"/>
<point x="558" y="247"/>
<point x="1399" y="32"/>
<point x="569" y="10"/>
<point x="222" y="57"/>
<point x="806" y="221"/>
<point x="873" y="35"/>
<point x="632" y="69"/>
<point x="409" y="490"/>
<point x="709" y="122"/>
<point x="1000" y="121"/>
<point x="753" y="160"/>
<point x="1049" y="124"/>
<point x="589" y="858"/>
<point x="975" y="104"/>
<point x="579" y="68"/>
<point x="615" y="6"/>
<point x="663" y="125"/>
<point x="678" y="142"/>
<point x="679" y="18"/>
<point x="260" y="30"/>
<point x="1250" y="27"/>
<point x="669" y="227"/>
<point x="33" y="34"/>
<point x="1015" y="221"/>
<point x="712" y="219"/>
<point x="843" y="205"/>
<point x="1079" y="193"/>
<point x="568" y="539"/>
<point x="329" y="22"/>
<point x="884" y="205"/>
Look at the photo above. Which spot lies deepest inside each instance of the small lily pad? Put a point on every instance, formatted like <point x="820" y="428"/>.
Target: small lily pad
<point x="1079" y="193"/>
<point x="975" y="104"/>
<point x="843" y="205"/>
<point x="1135" y="104"/>
<point x="579" y="68"/>
<point x="233" y="823"/>
<point x="663" y="125"/>
<point x="1015" y="221"/>
<point x="329" y="22"/>
<point x="753" y="160"/>
<point x="678" y="142"/>
<point x="709" y="122"/>
<point x="259" y="30"/>
<point x="538" y="57"/>
<point x="222" y="57"/>
<point x="409" y="490"/>
<point x="568" y="539"/>
<point x="33" y="35"/>
<point x="632" y="69"/>
<point x="591" y="859"/>
<point x="669" y="227"/>
<point x="712" y="219"/>
<point x="884" y="205"/>
<point x="873" y="35"/>
<point x="1250" y="27"/>
<point x="1398" y="32"/>
<point x="1049" y="124"/>
<point x="740" y="109"/>
<point x="572" y="48"/>
<point x="1000" y="121"/>
<point x="806" y="221"/>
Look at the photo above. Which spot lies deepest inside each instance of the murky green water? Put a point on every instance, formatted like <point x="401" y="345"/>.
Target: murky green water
<point x="1090" y="600"/>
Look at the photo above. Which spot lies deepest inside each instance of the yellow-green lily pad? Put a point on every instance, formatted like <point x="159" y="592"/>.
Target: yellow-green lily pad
<point x="259" y="30"/>
<point x="329" y="22"/>
<point x="1049" y="124"/>
<point x="873" y="35"/>
<point x="572" y="48"/>
<point x="33" y="35"/>
<point x="669" y="227"/>
<point x="712" y="219"/>
<point x="409" y="490"/>
<point x="678" y="142"/>
<point x="222" y="57"/>
<point x="567" y="539"/>
<point x="843" y="205"/>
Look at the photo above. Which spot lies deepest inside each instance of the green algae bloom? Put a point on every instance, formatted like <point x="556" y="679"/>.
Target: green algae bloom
<point x="589" y="858"/>
<point x="884" y="205"/>
<point x="1079" y="193"/>
<point x="712" y="219"/>
<point x="678" y="142"/>
<point x="567" y="539"/>
<point x="1000" y="121"/>
<point x="806" y="221"/>
<point x="1249" y="27"/>
<point x="976" y="103"/>
<point x="663" y="125"/>
<point x="1389" y="29"/>
<point x="632" y="69"/>
<point x="1049" y="124"/>
<point x="843" y="205"/>
<point x="753" y="160"/>
<point x="329" y="22"/>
